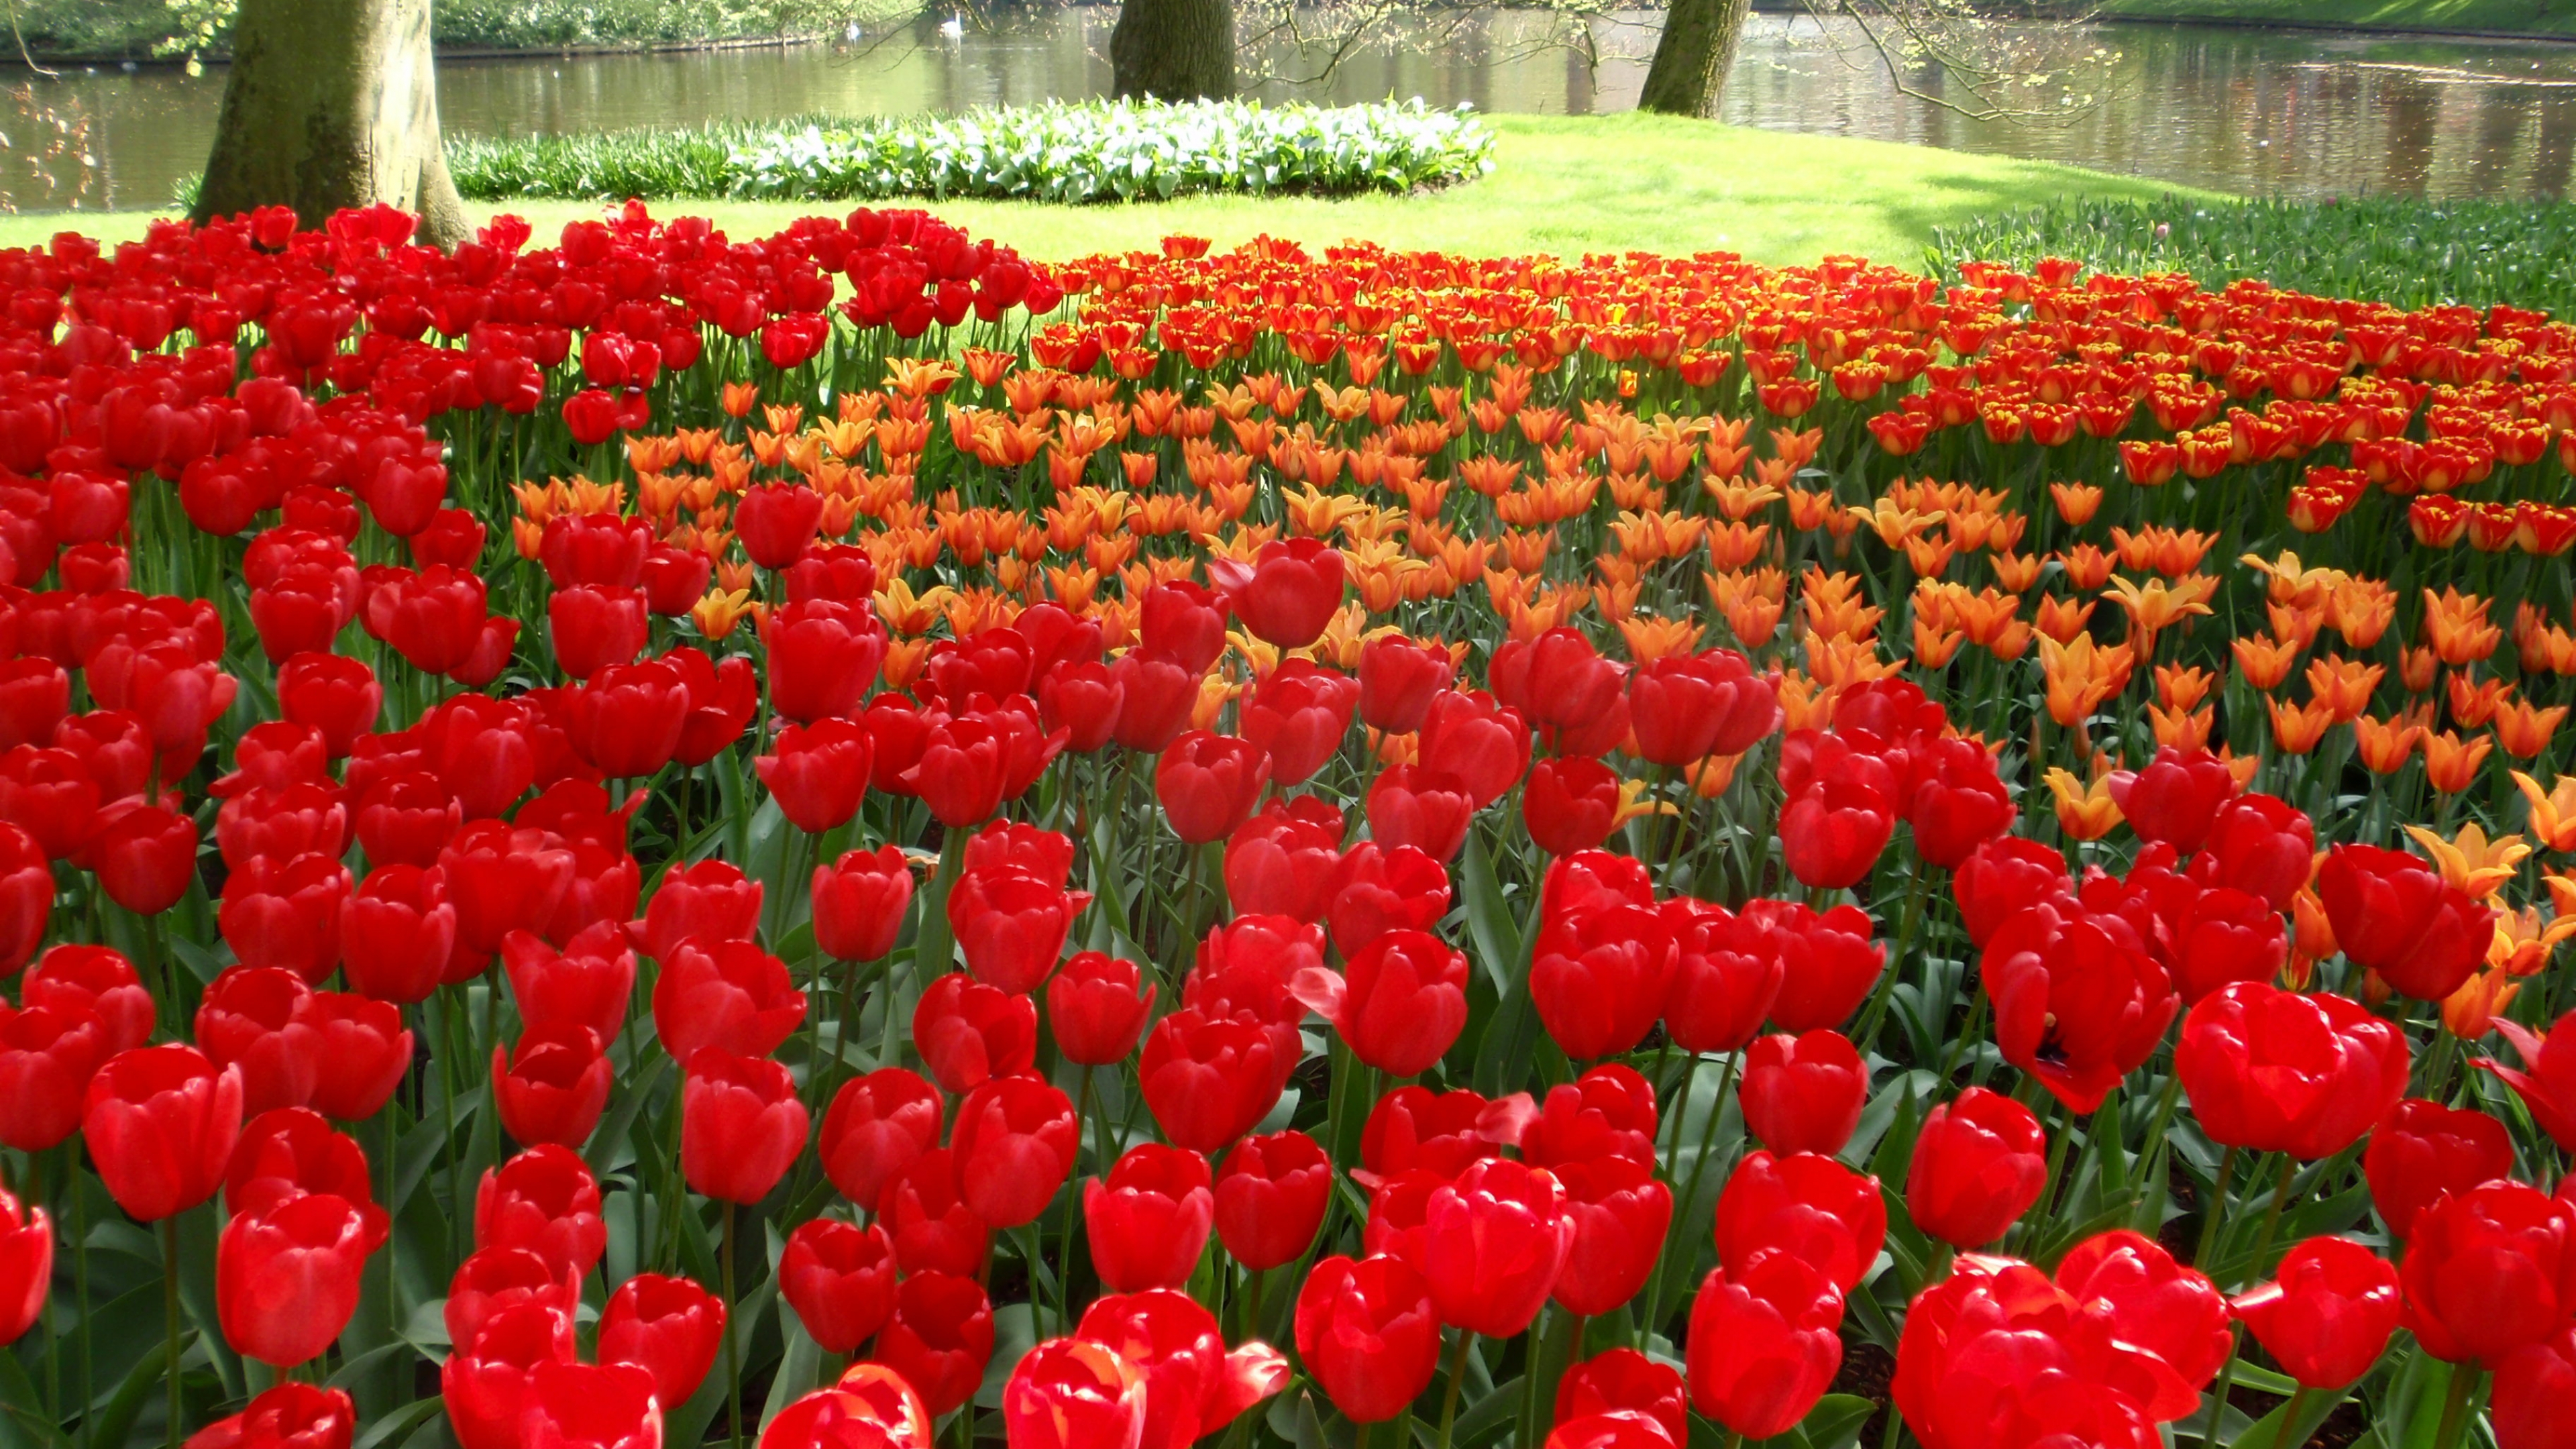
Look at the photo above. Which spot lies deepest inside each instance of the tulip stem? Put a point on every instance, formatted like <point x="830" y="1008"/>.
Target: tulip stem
<point x="2217" y="1210"/>
<point x="2290" y="1413"/>
<point x="732" y="1331"/>
<point x="170" y="1322"/>
<point x="1678" y="1233"/>
<point x="2455" y="1406"/>
<point x="1073" y="1199"/>
<point x="2272" y="1217"/>
<point x="1448" y="1395"/>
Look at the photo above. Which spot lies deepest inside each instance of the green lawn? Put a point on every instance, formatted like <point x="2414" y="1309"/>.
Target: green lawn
<point x="1562" y="185"/>
<point x="2526" y="17"/>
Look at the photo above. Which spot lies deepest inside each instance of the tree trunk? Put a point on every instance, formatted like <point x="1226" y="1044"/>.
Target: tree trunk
<point x="1692" y="56"/>
<point x="1174" y="50"/>
<point x="331" y="104"/>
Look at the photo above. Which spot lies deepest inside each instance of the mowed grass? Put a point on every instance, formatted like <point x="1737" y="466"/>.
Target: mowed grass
<point x="2515" y="17"/>
<point x="1564" y="185"/>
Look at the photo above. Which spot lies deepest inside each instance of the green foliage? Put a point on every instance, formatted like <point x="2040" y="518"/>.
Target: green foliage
<point x="189" y="27"/>
<point x="2397" y="249"/>
<point x="1095" y="151"/>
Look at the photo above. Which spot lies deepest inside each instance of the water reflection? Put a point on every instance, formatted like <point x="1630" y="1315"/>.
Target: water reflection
<point x="2251" y="111"/>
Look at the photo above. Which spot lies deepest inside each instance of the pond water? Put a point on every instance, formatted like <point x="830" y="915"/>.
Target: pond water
<point x="2269" y="112"/>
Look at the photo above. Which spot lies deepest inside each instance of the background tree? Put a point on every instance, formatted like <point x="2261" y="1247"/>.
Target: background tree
<point x="1173" y="50"/>
<point x="330" y="104"/>
<point x="1959" y="54"/>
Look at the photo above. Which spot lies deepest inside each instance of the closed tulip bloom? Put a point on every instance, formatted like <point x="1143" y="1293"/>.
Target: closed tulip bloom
<point x="741" y="1125"/>
<point x="840" y="1279"/>
<point x="1414" y="1127"/>
<point x="965" y="763"/>
<point x="585" y="1406"/>
<point x="839" y="1415"/>
<point x="2529" y="1407"/>
<point x="823" y="656"/>
<point x="2397" y="916"/>
<point x="1824" y="1212"/>
<point x="1987" y="1356"/>
<point x="2077" y="1003"/>
<point x="1420" y="808"/>
<point x="817" y="772"/>
<point x="1269" y="1198"/>
<point x="1155" y="698"/>
<point x="1609" y="1111"/>
<point x="1980" y="1161"/>
<point x="628" y="719"/>
<point x="2278" y="1071"/>
<point x="1620" y="1213"/>
<point x="1379" y="889"/>
<point x="1094" y="1011"/>
<point x="1832" y="831"/>
<point x="47" y="1058"/>
<point x="1598" y="977"/>
<point x="2175" y="800"/>
<point x="1084" y="700"/>
<point x="545" y="1200"/>
<point x="1765" y="1342"/>
<point x="486" y="1385"/>
<point x="493" y="1279"/>
<point x="2157" y="1308"/>
<point x="1208" y="784"/>
<point x="1626" y="1381"/>
<point x="2489" y="1269"/>
<point x="1283" y="861"/>
<point x="1727" y="972"/>
<point x="552" y="1086"/>
<point x="1208" y="1081"/>
<point x="1618" y="1429"/>
<point x="777" y="522"/>
<point x="968" y="1032"/>
<point x="1193" y="1385"/>
<point x="406" y="818"/>
<point x="1399" y="1003"/>
<point x="1829" y="962"/>
<point x="290" y="1152"/>
<point x="502" y="880"/>
<point x="595" y="628"/>
<point x="2223" y="935"/>
<point x="1398" y="680"/>
<point x="289" y="1416"/>
<point x="361" y="1053"/>
<point x="2328" y="1312"/>
<point x="669" y="1327"/>
<point x="287" y="1278"/>
<point x="1494" y="1243"/>
<point x="722" y="699"/>
<point x="1368" y="1333"/>
<point x="26" y="897"/>
<point x="1298" y="716"/>
<point x="144" y="856"/>
<point x="859" y="903"/>
<point x="2261" y="845"/>
<point x="1804" y="1093"/>
<point x="1558" y="679"/>
<point x="26" y="1266"/>
<point x="1571" y="804"/>
<point x="1069" y="1394"/>
<point x="2421" y="1150"/>
<point x="587" y="983"/>
<point x="926" y="1213"/>
<point x="1011" y="925"/>
<point x="1148" y="1219"/>
<point x="877" y="1124"/>
<point x="1015" y="1140"/>
<point x="333" y="693"/>
<point x="939" y="1339"/>
<point x="731" y="995"/>
<point x="1688" y="707"/>
<point x="1288" y="592"/>
<point x="159" y="1123"/>
<point x="2000" y="878"/>
<point x="710" y="899"/>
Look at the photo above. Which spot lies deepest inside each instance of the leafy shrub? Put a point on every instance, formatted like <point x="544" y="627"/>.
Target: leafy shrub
<point x="1094" y="151"/>
<point x="2403" y="250"/>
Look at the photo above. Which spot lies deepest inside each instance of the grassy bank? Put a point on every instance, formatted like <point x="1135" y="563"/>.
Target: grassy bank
<point x="2511" y="17"/>
<point x="1563" y="185"/>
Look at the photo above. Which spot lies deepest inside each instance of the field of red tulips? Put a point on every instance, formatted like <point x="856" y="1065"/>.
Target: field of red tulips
<point x="851" y="840"/>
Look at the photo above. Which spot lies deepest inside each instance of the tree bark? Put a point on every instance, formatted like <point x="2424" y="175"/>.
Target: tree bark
<point x="1692" y="57"/>
<point x="332" y="104"/>
<point x="1174" y="50"/>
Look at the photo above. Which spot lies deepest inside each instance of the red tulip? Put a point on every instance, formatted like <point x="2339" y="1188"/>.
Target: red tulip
<point x="2164" y="1311"/>
<point x="963" y="767"/>
<point x="1155" y="697"/>
<point x="817" y="772"/>
<point x="1069" y="1394"/>
<point x="1609" y="1111"/>
<point x="145" y="856"/>
<point x="2488" y="1270"/>
<point x="552" y="1086"/>
<point x="2547" y="1082"/>
<point x="934" y="1230"/>
<point x="840" y="1279"/>
<point x="1688" y="707"/>
<point x="939" y="1339"/>
<point x="581" y="1406"/>
<point x="74" y="980"/>
<point x="722" y="700"/>
<point x="1208" y="784"/>
<point x="1620" y="1213"/>
<point x="870" y="1405"/>
<point x="288" y="1416"/>
<point x="52" y="795"/>
<point x="1726" y="974"/>
<point x="1804" y="1093"/>
<point x="491" y="1280"/>
<point x="1148" y="1219"/>
<point x="1210" y="1080"/>
<point x="1085" y="701"/>
<point x="1422" y="808"/>
<point x="1399" y="1003"/>
<point x="1494" y="1243"/>
<point x="2077" y="1004"/>
<point x="47" y="1057"/>
<point x="1282" y="862"/>
<point x="333" y="693"/>
<point x="287" y="1277"/>
<point x="777" y="522"/>
<point x="1193" y="1386"/>
<point x="1015" y="1140"/>
<point x="859" y="903"/>
<point x="1011" y="924"/>
<point x="1269" y="1198"/>
<point x="2260" y="845"/>
<point x="741" y="1125"/>
<point x="1829" y="963"/>
<point x="488" y="1385"/>
<point x="1599" y="975"/>
<point x="26" y="897"/>
<point x="1829" y="1215"/>
<point x="710" y="899"/>
<point x="544" y="1200"/>
<point x="26" y="1266"/>
<point x="1182" y="623"/>
<point x="725" y="994"/>
<point x="1571" y="804"/>
<point x="159" y="1123"/>
<point x="35" y="695"/>
<point x="1414" y="1128"/>
<point x="594" y="628"/>
<point x="360" y="1053"/>
<point x="1367" y="1331"/>
<point x="1299" y="715"/>
<point x="502" y="880"/>
<point x="2176" y="798"/>
<point x="2396" y="915"/>
<point x="1988" y="1354"/>
<point x="2327" y="1314"/>
<point x="1765" y="1342"/>
<point x="1558" y="681"/>
<point x="968" y="1033"/>
<point x="405" y="818"/>
<point x="2421" y="1150"/>
<point x="1094" y="1011"/>
<point x="2276" y="1071"/>
<point x="1833" y="829"/>
<point x="1980" y="1161"/>
<point x="823" y="656"/>
<point x="1376" y="890"/>
<point x="1958" y="802"/>
<point x="876" y="1126"/>
<point x="288" y="1153"/>
<point x="669" y="1327"/>
<point x="1398" y="681"/>
<point x="586" y="984"/>
<point x="1625" y="1381"/>
<point x="1287" y="594"/>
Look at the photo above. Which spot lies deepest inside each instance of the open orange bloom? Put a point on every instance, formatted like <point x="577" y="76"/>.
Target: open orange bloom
<point x="2263" y="663"/>
<point x="2553" y="812"/>
<point x="2083" y="812"/>
<point x="2296" y="728"/>
<point x="2525" y="730"/>
<point x="2450" y="763"/>
<point x="2456" y="627"/>
<point x="2385" y="745"/>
